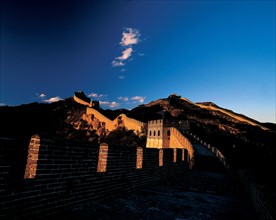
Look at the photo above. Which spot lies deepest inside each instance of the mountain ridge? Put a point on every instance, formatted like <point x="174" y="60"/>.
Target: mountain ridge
<point x="69" y="116"/>
<point x="241" y="142"/>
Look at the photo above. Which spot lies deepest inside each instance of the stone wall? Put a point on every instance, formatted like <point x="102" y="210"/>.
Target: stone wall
<point x="213" y="149"/>
<point x="80" y="101"/>
<point x="160" y="136"/>
<point x="110" y="125"/>
<point x="61" y="173"/>
<point x="177" y="140"/>
<point x="155" y="134"/>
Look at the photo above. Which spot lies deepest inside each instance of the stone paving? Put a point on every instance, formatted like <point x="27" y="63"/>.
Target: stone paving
<point x="197" y="194"/>
<point x="194" y="195"/>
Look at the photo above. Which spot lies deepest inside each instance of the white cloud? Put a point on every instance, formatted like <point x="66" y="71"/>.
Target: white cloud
<point x="93" y="95"/>
<point x="130" y="36"/>
<point x="96" y="96"/>
<point x="54" y="99"/>
<point x="2" y="104"/>
<point x="123" y="98"/>
<point x="117" y="63"/>
<point x="121" y="77"/>
<point x="109" y="104"/>
<point x="42" y="95"/>
<point x="102" y="96"/>
<point x="125" y="54"/>
<point x="139" y="99"/>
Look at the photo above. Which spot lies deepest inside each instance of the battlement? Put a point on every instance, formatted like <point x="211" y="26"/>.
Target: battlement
<point x="63" y="173"/>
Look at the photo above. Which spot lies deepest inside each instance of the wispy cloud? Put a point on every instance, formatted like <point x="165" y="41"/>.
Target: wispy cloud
<point x="117" y="63"/>
<point x="53" y="99"/>
<point x="121" y="77"/>
<point x="2" y="104"/>
<point x="42" y="95"/>
<point x="93" y="95"/>
<point x="125" y="54"/>
<point x="138" y="99"/>
<point x="130" y="36"/>
<point x="123" y="98"/>
<point x="109" y="104"/>
<point x="103" y="99"/>
<point x="96" y="95"/>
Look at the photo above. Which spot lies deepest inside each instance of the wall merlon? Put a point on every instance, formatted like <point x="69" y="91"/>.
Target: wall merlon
<point x="68" y="169"/>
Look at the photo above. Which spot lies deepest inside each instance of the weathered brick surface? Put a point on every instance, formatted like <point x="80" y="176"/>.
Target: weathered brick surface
<point x="68" y="173"/>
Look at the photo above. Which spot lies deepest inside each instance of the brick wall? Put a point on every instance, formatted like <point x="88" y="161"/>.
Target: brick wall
<point x="63" y="173"/>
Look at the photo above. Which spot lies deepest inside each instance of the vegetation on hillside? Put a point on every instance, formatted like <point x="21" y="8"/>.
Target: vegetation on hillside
<point x="124" y="137"/>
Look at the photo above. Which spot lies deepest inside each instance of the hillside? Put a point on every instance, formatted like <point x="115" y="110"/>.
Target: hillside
<point x="213" y="107"/>
<point x="247" y="143"/>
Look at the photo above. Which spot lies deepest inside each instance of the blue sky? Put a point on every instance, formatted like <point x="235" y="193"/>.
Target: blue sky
<point x="126" y="53"/>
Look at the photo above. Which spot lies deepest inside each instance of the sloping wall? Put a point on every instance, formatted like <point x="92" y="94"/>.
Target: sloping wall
<point x="109" y="124"/>
<point x="129" y="123"/>
<point x="177" y="140"/>
<point x="80" y="101"/>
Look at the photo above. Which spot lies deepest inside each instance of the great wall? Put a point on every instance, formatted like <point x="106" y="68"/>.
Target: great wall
<point x="161" y="140"/>
<point x="110" y="125"/>
<point x="61" y="173"/>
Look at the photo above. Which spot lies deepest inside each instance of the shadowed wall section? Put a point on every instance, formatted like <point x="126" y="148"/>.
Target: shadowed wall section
<point x="70" y="173"/>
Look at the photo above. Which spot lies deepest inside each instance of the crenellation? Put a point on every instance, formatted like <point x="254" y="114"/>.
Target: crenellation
<point x="66" y="172"/>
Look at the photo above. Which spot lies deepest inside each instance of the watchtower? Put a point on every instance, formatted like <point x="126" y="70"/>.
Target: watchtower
<point x="158" y="134"/>
<point x="95" y="104"/>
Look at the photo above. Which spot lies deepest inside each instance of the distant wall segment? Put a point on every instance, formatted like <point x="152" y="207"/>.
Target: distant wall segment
<point x="110" y="125"/>
<point x="80" y="101"/>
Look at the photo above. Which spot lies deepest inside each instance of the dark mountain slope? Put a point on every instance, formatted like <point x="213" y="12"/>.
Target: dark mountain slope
<point x="244" y="141"/>
<point x="247" y="143"/>
<point x="39" y="118"/>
